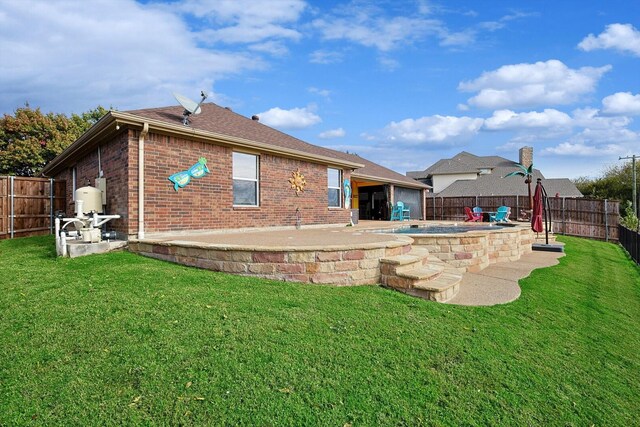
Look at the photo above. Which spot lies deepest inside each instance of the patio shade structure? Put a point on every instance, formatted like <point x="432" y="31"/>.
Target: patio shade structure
<point x="538" y="207"/>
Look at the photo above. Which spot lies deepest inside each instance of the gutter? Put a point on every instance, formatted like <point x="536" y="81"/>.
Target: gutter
<point x="222" y="139"/>
<point x="113" y="119"/>
<point x="143" y="134"/>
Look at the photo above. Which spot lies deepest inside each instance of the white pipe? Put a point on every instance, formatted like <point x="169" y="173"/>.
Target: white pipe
<point x="57" y="222"/>
<point x="63" y="245"/>
<point x="143" y="134"/>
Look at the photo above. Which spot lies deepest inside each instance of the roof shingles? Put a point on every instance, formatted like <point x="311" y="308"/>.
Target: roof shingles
<point x="214" y="118"/>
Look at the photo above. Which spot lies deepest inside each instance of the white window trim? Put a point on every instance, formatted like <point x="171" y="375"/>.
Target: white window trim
<point x="256" y="180"/>
<point x="339" y="188"/>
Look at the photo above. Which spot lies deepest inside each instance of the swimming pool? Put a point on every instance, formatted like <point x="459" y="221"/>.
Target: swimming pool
<point x="444" y="229"/>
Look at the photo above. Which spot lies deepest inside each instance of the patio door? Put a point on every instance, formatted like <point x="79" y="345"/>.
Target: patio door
<point x="372" y="202"/>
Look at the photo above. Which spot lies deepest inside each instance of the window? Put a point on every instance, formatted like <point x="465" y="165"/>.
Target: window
<point x="335" y="192"/>
<point x="245" y="179"/>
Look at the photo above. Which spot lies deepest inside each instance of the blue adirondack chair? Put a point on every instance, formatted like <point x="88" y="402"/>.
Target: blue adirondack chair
<point x="400" y="212"/>
<point x="501" y="215"/>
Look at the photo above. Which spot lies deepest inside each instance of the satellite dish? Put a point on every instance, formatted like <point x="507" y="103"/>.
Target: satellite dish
<point x="190" y="106"/>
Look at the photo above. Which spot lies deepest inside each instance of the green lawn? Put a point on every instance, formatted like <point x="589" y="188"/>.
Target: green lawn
<point x="122" y="339"/>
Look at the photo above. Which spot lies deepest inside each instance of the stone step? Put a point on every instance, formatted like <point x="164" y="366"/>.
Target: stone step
<point x="398" y="264"/>
<point x="425" y="273"/>
<point x="441" y="289"/>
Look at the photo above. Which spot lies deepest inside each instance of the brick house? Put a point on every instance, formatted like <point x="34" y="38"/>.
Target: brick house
<point x="247" y="186"/>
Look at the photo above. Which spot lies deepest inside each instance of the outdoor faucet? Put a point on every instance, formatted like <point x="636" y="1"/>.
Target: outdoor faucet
<point x="298" y="219"/>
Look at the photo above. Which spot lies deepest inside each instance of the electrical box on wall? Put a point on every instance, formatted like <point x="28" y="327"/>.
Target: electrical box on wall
<point x="101" y="184"/>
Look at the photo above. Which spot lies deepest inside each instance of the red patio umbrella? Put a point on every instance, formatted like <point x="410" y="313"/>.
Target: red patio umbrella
<point x="536" y="217"/>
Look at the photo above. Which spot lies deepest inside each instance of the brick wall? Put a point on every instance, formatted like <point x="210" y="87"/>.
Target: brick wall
<point x="113" y="159"/>
<point x="207" y="202"/>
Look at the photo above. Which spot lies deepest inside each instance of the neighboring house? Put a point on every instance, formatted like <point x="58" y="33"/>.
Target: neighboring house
<point x="468" y="175"/>
<point x="253" y="172"/>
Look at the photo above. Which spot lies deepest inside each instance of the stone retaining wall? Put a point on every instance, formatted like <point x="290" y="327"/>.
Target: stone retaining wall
<point x="474" y="251"/>
<point x="343" y="267"/>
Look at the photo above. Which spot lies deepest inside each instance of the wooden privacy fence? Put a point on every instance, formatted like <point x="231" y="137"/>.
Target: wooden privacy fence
<point x="28" y="205"/>
<point x="573" y="216"/>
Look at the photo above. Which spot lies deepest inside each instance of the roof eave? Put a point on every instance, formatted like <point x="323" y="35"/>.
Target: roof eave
<point x="118" y="118"/>
<point x="99" y="128"/>
<point x="420" y="185"/>
<point x="179" y="129"/>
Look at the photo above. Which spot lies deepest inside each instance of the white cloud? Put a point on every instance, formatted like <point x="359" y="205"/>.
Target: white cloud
<point x="583" y="150"/>
<point x="461" y="38"/>
<point x="522" y="85"/>
<point x="589" y="118"/>
<point x="622" y="37"/>
<point x="245" y="21"/>
<point x="321" y="92"/>
<point x="325" y="57"/>
<point x="271" y="47"/>
<point x="248" y="34"/>
<point x="103" y="58"/>
<point x="332" y="133"/>
<point x="295" y="118"/>
<point x="510" y="120"/>
<point x="432" y="129"/>
<point x="382" y="33"/>
<point x="622" y="103"/>
<point x="388" y="64"/>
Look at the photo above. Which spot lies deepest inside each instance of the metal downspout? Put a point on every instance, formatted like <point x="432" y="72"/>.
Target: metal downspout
<point x="143" y="134"/>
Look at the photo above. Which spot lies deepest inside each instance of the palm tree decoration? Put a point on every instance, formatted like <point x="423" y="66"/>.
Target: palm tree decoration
<point x="527" y="173"/>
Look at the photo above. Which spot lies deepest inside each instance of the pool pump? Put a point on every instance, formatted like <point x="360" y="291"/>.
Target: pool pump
<point x="87" y="222"/>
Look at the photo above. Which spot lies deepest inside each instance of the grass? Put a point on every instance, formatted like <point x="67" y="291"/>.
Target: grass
<point x="121" y="339"/>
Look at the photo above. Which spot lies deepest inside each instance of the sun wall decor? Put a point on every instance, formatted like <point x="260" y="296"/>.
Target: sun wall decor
<point x="297" y="181"/>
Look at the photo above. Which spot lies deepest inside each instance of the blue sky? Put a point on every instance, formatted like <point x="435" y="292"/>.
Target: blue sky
<point x="402" y="83"/>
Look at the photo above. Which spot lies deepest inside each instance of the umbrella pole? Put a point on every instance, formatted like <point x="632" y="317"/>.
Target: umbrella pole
<point x="547" y="213"/>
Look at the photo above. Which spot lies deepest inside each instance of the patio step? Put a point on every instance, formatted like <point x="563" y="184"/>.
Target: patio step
<point x="441" y="289"/>
<point x="416" y="258"/>
<point x="419" y="274"/>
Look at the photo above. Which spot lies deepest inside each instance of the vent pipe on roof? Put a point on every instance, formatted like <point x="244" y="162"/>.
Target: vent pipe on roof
<point x="255" y="117"/>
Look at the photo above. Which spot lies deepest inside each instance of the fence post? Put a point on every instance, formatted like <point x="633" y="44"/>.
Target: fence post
<point x="606" y="222"/>
<point x="11" y="214"/>
<point x="51" y="199"/>
<point x="564" y="224"/>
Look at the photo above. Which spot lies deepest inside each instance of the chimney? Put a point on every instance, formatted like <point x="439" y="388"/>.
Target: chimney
<point x="255" y="117"/>
<point x="526" y="156"/>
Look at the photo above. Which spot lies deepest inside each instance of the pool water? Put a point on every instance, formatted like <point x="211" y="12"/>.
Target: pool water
<point x="444" y="229"/>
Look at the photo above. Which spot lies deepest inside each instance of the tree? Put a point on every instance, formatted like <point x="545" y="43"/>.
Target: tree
<point x="527" y="174"/>
<point x="30" y="139"/>
<point x="615" y="183"/>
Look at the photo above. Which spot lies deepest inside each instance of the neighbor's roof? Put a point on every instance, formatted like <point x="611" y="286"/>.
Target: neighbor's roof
<point x="221" y="125"/>
<point x="494" y="184"/>
<point x="462" y="162"/>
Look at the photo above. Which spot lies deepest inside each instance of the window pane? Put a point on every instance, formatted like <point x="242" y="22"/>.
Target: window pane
<point x="245" y="166"/>
<point x="334" y="197"/>
<point x="333" y="177"/>
<point x="245" y="193"/>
